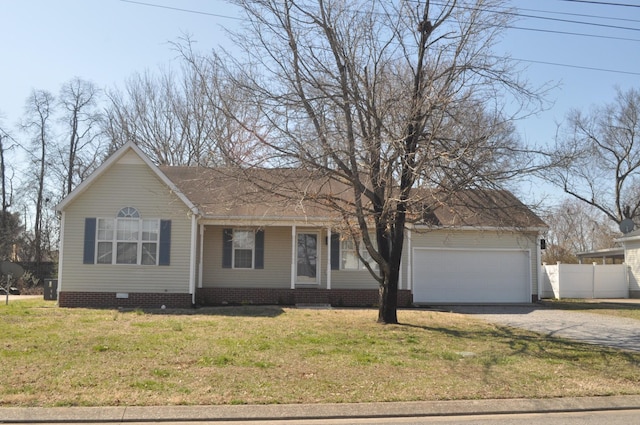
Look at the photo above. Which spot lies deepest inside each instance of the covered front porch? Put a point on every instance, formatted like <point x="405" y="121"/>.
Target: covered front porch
<point x="281" y="263"/>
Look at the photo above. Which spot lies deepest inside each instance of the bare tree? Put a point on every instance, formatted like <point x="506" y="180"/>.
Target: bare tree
<point x="599" y="153"/>
<point x="386" y="98"/>
<point x="10" y="227"/>
<point x="37" y="123"/>
<point x="6" y="198"/>
<point x="574" y="227"/>
<point x="79" y="156"/>
<point x="174" y="118"/>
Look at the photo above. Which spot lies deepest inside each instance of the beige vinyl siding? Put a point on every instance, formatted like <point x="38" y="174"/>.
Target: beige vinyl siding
<point x="632" y="259"/>
<point x="481" y="239"/>
<point x="127" y="183"/>
<point x="277" y="263"/>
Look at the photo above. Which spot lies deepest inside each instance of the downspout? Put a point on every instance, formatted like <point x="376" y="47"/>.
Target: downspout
<point x="539" y="264"/>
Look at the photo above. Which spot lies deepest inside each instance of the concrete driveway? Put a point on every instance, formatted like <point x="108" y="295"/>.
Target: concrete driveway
<point x="610" y="331"/>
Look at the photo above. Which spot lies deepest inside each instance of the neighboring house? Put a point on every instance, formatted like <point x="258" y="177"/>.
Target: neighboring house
<point x="137" y="235"/>
<point x="631" y="244"/>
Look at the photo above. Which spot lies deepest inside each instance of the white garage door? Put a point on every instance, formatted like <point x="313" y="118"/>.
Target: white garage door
<point x="471" y="276"/>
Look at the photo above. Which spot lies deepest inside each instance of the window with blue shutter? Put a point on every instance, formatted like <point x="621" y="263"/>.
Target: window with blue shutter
<point x="127" y="239"/>
<point x="335" y="251"/>
<point x="164" y="255"/>
<point x="259" y="254"/>
<point x="242" y="249"/>
<point x="227" y="248"/>
<point x="89" y="256"/>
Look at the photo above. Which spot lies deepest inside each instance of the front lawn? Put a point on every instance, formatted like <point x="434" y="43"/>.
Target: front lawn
<point x="235" y="355"/>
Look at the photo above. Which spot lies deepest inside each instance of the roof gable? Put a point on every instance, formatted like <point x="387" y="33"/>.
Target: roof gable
<point x="129" y="153"/>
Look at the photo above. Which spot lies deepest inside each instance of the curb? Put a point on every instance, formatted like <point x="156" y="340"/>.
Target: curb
<point x="134" y="414"/>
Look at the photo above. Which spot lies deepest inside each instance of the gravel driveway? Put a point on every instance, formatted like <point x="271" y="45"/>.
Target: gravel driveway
<point x="591" y="328"/>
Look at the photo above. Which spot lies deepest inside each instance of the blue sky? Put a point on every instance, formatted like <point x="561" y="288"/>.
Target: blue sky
<point x="45" y="43"/>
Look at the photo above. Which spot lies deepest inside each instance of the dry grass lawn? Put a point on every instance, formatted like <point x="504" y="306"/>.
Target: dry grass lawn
<point x="630" y="310"/>
<point x="236" y="355"/>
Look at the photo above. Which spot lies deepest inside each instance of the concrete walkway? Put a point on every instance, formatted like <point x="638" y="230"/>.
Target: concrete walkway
<point x="312" y="411"/>
<point x="592" y="328"/>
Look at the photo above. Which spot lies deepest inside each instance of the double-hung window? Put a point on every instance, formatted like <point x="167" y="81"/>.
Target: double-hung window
<point x="127" y="239"/>
<point x="350" y="260"/>
<point x="243" y="248"/>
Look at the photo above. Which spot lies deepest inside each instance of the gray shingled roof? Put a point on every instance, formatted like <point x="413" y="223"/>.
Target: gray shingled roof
<point x="253" y="194"/>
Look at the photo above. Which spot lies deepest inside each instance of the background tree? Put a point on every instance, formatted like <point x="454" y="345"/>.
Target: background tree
<point x="6" y="190"/>
<point x="80" y="119"/>
<point x="176" y="119"/>
<point x="599" y="153"/>
<point x="37" y="124"/>
<point x="11" y="229"/>
<point x="383" y="97"/>
<point x="574" y="227"/>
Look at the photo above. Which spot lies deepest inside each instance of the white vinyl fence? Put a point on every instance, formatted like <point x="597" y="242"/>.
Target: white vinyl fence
<point x="585" y="281"/>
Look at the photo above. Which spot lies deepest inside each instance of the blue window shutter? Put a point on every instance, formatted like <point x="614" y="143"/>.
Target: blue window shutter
<point x="164" y="256"/>
<point x="89" y="256"/>
<point x="335" y="251"/>
<point x="259" y="254"/>
<point x="227" y="241"/>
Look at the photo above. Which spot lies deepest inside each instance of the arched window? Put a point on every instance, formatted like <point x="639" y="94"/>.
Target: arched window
<point x="128" y="212"/>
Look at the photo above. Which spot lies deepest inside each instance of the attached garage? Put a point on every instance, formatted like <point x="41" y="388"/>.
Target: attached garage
<point x="460" y="275"/>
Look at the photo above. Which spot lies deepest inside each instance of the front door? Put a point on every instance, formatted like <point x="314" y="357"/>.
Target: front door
<point x="307" y="258"/>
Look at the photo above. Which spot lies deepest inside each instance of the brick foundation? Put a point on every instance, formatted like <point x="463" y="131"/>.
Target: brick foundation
<point x="275" y="296"/>
<point x="134" y="300"/>
<point x="232" y="296"/>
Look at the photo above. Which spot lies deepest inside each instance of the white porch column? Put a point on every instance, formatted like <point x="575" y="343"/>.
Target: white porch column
<point x="60" y="255"/>
<point x="409" y="271"/>
<point x="201" y="266"/>
<point x="192" y="258"/>
<point x="328" y="257"/>
<point x="293" y="256"/>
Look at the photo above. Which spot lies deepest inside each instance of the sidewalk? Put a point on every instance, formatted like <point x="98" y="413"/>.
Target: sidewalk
<point x="314" y="411"/>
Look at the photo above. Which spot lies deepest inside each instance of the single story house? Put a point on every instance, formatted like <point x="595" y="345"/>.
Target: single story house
<point x="631" y="245"/>
<point x="137" y="235"/>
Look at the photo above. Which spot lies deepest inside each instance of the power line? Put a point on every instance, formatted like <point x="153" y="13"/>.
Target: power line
<point x="582" y="15"/>
<point x="511" y="27"/>
<point x="606" y="37"/>
<point x="570" y="21"/>
<point x="603" y="3"/>
<point x="181" y="10"/>
<point x="589" y="68"/>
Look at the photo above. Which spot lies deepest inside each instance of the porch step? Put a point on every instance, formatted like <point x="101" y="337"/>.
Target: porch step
<point x="312" y="306"/>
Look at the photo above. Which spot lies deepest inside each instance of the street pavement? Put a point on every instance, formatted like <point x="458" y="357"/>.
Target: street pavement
<point x="313" y="411"/>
